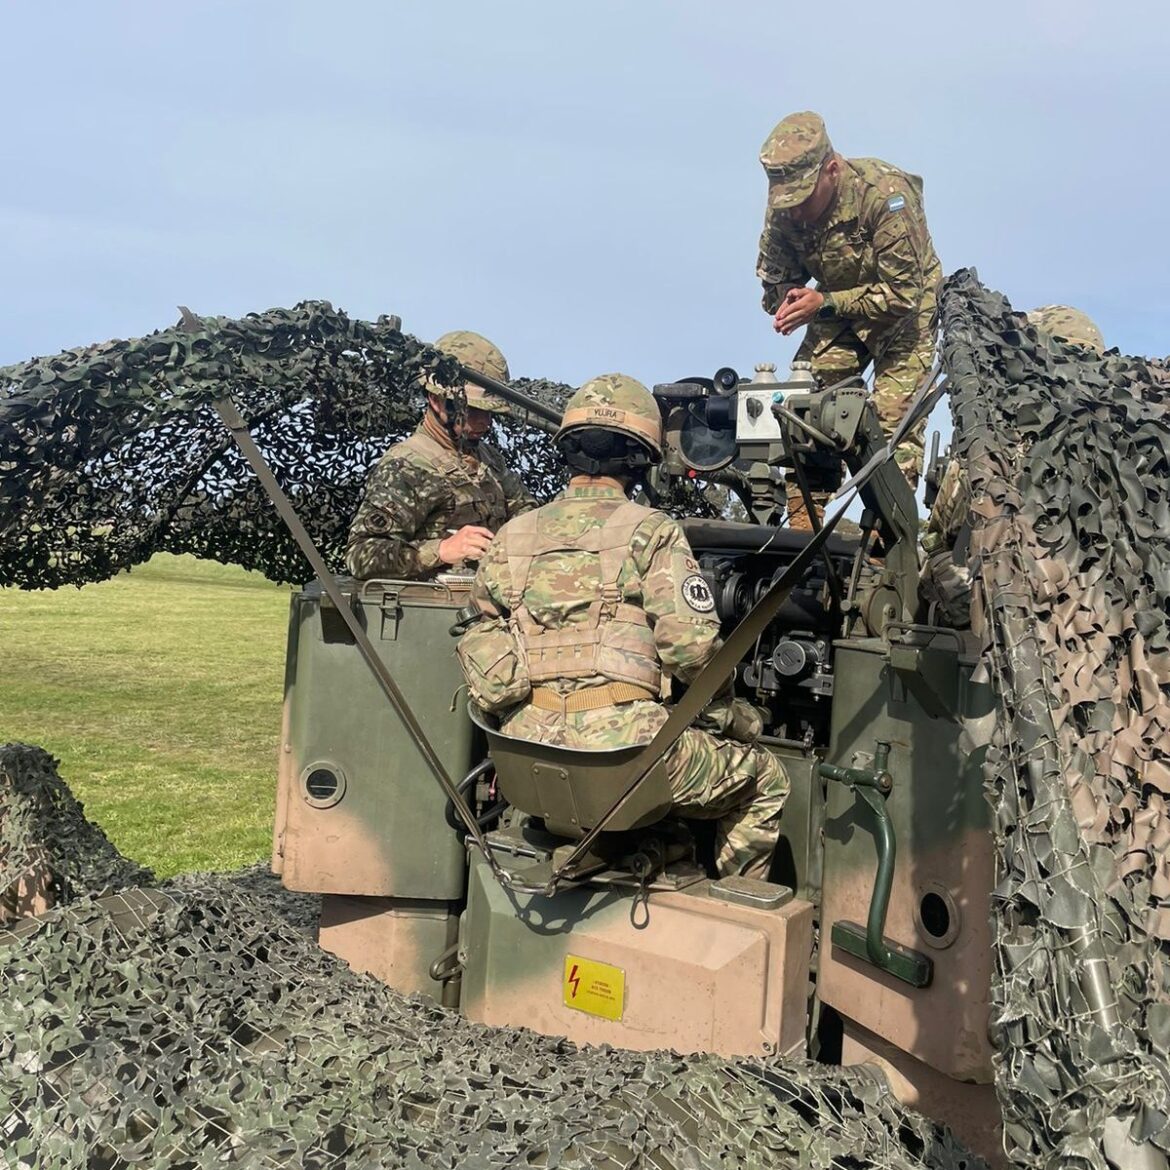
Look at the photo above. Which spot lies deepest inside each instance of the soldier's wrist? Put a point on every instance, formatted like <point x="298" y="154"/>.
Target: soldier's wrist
<point x="828" y="310"/>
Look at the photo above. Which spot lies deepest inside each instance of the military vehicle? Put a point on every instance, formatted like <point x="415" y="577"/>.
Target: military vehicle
<point x="547" y="888"/>
<point x="524" y="885"/>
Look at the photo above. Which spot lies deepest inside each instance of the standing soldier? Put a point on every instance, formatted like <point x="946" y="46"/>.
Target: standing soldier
<point x="601" y="601"/>
<point x="436" y="499"/>
<point x="857" y="227"/>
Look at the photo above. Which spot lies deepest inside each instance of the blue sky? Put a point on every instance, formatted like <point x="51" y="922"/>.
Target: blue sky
<point x="578" y="183"/>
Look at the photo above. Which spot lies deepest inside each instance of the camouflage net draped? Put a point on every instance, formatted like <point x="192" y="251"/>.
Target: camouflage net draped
<point x="194" y="1026"/>
<point x="49" y="851"/>
<point x="1068" y="457"/>
<point x="111" y="453"/>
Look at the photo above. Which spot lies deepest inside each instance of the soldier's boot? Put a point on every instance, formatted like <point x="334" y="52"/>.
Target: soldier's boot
<point x="798" y="517"/>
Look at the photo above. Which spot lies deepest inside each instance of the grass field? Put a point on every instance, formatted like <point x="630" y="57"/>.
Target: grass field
<point x="160" y="693"/>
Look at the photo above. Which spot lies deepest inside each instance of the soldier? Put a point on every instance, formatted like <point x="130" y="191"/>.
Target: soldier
<point x="1068" y="324"/>
<point x="607" y="602"/>
<point x="856" y="226"/>
<point x="436" y="499"/>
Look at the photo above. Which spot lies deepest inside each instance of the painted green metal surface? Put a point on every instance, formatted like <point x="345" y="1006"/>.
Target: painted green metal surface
<point x="340" y="720"/>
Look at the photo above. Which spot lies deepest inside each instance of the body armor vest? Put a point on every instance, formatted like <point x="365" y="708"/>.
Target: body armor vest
<point x="615" y="639"/>
<point x="479" y="497"/>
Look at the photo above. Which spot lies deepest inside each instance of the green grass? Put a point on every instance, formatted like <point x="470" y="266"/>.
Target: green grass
<point x="160" y="693"/>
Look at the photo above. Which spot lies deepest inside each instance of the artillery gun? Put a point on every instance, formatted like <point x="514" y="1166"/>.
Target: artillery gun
<point x="547" y="888"/>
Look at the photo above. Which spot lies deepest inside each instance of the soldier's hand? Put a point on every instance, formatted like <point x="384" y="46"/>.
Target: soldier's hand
<point x="799" y="308"/>
<point x="468" y="544"/>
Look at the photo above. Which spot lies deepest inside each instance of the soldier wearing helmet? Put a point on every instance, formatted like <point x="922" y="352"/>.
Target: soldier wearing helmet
<point x="607" y="603"/>
<point x="1068" y="324"/>
<point x="436" y="499"/>
<point x="857" y="227"/>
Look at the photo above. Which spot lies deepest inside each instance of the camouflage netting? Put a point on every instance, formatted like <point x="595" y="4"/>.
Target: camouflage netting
<point x="48" y="849"/>
<point x="195" y="1028"/>
<point x="111" y="453"/>
<point x="1068" y="456"/>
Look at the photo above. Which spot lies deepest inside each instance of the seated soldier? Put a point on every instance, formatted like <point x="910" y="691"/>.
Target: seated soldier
<point x="608" y="601"/>
<point x="436" y="499"/>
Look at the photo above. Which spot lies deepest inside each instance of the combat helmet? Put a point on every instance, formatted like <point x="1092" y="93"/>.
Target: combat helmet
<point x="611" y="424"/>
<point x="1068" y="324"/>
<point x="479" y="354"/>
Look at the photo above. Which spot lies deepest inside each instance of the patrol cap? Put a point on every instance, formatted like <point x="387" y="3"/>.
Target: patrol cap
<point x="479" y="354"/>
<point x="792" y="156"/>
<point x="615" y="402"/>
<point x="1069" y="324"/>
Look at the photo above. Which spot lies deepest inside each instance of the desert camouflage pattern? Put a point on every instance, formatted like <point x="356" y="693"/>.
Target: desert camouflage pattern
<point x="616" y="402"/>
<point x="873" y="258"/>
<point x="476" y="353"/>
<point x="1068" y="324"/>
<point x="792" y="155"/>
<point x="741" y="786"/>
<point x="421" y="491"/>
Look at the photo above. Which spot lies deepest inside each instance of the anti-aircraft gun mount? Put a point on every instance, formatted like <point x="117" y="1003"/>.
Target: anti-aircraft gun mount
<point x="582" y="911"/>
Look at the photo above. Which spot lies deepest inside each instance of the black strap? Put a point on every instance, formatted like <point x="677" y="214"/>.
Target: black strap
<point x="232" y="419"/>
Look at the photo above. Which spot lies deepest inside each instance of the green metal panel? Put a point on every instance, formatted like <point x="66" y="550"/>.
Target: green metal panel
<point x="914" y="698"/>
<point x="914" y="694"/>
<point x="379" y="829"/>
<point x="799" y="853"/>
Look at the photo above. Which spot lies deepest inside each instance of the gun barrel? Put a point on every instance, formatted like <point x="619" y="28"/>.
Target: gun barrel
<point x="541" y="416"/>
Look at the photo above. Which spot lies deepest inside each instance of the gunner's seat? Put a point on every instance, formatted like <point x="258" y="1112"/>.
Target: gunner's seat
<point x="571" y="789"/>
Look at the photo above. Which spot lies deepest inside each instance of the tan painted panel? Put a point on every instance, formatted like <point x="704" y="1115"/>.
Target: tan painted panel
<point x="699" y="976"/>
<point x="972" y="1111"/>
<point x="392" y="939"/>
<point x="944" y="1024"/>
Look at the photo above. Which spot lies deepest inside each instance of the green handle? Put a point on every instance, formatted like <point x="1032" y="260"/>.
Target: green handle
<point x="873" y="785"/>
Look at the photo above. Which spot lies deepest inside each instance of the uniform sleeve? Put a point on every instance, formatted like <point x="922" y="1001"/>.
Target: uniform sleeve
<point x="779" y="267"/>
<point x="492" y="582"/>
<point x="383" y="539"/>
<point x="900" y="244"/>
<point x="677" y="600"/>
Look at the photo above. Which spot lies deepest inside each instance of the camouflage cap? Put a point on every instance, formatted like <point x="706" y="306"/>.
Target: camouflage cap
<point x="1068" y="324"/>
<point x="615" y="402"/>
<point x="792" y="156"/>
<point x="479" y="354"/>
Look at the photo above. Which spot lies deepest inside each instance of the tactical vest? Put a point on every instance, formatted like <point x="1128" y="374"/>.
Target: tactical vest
<point x="615" y="639"/>
<point x="479" y="498"/>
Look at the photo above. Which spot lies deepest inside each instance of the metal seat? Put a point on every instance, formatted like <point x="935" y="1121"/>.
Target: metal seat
<point x="571" y="789"/>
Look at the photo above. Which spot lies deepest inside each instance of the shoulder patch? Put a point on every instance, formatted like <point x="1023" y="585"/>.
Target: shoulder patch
<point x="697" y="593"/>
<point x="896" y="202"/>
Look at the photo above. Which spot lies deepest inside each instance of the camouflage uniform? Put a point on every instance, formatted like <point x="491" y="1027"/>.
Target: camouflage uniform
<point x="711" y="777"/>
<point x="871" y="256"/>
<point x="426" y="487"/>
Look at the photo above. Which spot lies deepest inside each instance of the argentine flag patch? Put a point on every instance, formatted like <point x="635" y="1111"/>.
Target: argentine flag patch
<point x="896" y="202"/>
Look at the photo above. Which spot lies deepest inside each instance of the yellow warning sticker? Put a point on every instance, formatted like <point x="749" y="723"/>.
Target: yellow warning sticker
<point x="593" y="987"/>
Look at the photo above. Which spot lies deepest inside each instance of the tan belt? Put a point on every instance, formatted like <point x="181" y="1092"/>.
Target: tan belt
<point x="589" y="698"/>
